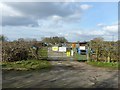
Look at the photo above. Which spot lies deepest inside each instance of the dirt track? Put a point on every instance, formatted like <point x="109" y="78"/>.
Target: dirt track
<point x="68" y="74"/>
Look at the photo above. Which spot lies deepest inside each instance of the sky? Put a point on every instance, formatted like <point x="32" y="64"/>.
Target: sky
<point x="76" y="21"/>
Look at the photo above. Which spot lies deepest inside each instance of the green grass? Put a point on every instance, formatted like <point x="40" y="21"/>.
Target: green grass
<point x="112" y="65"/>
<point x="80" y="57"/>
<point x="43" y="52"/>
<point x="26" y="65"/>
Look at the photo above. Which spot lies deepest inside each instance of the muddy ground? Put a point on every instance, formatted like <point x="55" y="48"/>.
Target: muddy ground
<point x="64" y="74"/>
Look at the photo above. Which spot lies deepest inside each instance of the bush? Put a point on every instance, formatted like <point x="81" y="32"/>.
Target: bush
<point x="12" y="52"/>
<point x="17" y="51"/>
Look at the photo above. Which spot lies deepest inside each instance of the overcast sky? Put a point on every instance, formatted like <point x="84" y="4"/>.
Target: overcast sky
<point x="76" y="21"/>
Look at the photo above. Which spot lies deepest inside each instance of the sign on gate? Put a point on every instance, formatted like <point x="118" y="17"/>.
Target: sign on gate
<point x="55" y="48"/>
<point x="68" y="53"/>
<point x="82" y="47"/>
<point x="62" y="49"/>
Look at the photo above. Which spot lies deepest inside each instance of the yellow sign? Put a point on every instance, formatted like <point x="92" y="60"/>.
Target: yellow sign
<point x="68" y="53"/>
<point x="55" y="48"/>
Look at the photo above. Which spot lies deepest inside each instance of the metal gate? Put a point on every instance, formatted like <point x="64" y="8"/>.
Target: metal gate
<point x="57" y="55"/>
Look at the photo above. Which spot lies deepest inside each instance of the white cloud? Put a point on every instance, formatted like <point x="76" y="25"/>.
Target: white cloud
<point x="111" y="28"/>
<point x="85" y="6"/>
<point x="8" y="11"/>
<point x="56" y="18"/>
<point x="97" y="32"/>
<point x="100" y="25"/>
<point x="108" y="31"/>
<point x="69" y="0"/>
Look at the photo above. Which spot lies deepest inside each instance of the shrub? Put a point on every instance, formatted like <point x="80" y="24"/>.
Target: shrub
<point x="12" y="52"/>
<point x="19" y="50"/>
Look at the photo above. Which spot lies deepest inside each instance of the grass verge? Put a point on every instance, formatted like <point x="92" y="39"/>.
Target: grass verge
<point x="26" y="65"/>
<point x="112" y="65"/>
<point x="79" y="57"/>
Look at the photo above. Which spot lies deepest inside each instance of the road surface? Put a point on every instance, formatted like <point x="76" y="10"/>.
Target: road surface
<point x="64" y="74"/>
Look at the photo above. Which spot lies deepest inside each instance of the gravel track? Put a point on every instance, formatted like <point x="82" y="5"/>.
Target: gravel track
<point x="64" y="74"/>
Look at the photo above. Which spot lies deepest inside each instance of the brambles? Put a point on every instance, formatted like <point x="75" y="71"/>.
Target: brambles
<point x="105" y="50"/>
<point x="15" y="54"/>
<point x="19" y="50"/>
<point x="14" y="51"/>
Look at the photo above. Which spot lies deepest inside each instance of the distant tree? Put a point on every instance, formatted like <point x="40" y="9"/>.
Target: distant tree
<point x="21" y="40"/>
<point x="30" y="40"/>
<point x="54" y="40"/>
<point x="3" y="38"/>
